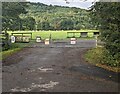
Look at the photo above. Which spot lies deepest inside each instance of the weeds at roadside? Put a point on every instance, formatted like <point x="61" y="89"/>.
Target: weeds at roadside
<point x="102" y="58"/>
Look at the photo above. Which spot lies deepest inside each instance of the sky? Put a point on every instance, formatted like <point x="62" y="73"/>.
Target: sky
<point x="72" y="3"/>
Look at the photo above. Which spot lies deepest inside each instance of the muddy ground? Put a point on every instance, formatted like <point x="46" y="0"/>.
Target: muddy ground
<point x="57" y="68"/>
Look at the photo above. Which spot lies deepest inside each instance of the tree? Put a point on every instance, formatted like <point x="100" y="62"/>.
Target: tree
<point x="66" y="24"/>
<point x="10" y="14"/>
<point x="43" y="26"/>
<point x="107" y="14"/>
<point x="28" y="23"/>
<point x="55" y="23"/>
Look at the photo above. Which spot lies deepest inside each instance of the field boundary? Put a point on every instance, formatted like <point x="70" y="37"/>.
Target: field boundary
<point x="55" y="34"/>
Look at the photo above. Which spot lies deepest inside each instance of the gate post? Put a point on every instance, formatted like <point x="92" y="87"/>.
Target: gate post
<point x="96" y="41"/>
<point x="73" y="41"/>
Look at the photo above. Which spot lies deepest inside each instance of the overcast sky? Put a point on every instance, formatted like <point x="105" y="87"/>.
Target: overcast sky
<point x="73" y="3"/>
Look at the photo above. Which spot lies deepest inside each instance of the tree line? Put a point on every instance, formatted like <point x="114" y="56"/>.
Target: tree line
<point x="38" y="16"/>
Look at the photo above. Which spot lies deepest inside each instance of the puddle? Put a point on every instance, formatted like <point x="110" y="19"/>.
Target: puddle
<point x="40" y="78"/>
<point x="51" y="84"/>
<point x="31" y="70"/>
<point x="41" y="69"/>
<point x="44" y="69"/>
<point x="44" y="58"/>
<point x="17" y="89"/>
<point x="42" y="87"/>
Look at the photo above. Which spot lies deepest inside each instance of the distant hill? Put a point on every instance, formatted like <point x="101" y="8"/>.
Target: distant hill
<point x="58" y="17"/>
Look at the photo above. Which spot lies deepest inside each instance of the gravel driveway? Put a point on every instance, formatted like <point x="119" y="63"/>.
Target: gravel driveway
<point x="55" y="69"/>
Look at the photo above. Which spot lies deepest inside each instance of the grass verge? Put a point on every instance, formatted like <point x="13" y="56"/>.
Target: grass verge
<point x="101" y="58"/>
<point x="14" y="48"/>
<point x="5" y="54"/>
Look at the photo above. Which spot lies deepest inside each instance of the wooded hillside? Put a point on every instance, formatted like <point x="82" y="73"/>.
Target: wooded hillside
<point x="47" y="17"/>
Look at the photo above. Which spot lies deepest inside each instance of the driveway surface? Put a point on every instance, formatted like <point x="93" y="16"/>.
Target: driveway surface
<point x="55" y="69"/>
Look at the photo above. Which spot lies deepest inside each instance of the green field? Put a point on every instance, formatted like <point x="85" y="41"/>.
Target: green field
<point x="54" y="34"/>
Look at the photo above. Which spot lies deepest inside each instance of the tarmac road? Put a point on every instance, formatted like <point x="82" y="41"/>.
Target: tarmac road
<point x="55" y="69"/>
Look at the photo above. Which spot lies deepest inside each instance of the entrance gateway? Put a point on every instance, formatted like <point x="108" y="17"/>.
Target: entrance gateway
<point x="72" y="42"/>
<point x="68" y="42"/>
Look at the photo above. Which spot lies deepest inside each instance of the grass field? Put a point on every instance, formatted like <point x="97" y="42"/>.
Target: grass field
<point x="54" y="34"/>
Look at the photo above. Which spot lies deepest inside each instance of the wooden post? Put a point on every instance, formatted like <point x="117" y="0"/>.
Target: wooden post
<point x="96" y="40"/>
<point x="22" y="37"/>
<point x="31" y="35"/>
<point x="73" y="41"/>
<point x="50" y="37"/>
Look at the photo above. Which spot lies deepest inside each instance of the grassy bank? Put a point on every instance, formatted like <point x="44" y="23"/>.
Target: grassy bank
<point x="14" y="48"/>
<point x="5" y="54"/>
<point x="102" y="58"/>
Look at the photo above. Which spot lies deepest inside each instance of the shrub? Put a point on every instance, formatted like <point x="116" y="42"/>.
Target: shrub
<point x="102" y="56"/>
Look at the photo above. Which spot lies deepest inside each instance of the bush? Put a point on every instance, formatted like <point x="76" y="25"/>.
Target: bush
<point x="5" y="41"/>
<point x="5" y="45"/>
<point x="102" y="56"/>
<point x="13" y="46"/>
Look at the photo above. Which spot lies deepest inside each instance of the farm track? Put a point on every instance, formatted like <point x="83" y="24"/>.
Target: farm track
<point x="55" y="69"/>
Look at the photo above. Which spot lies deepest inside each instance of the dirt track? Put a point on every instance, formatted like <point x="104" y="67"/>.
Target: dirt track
<point x="55" y="69"/>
